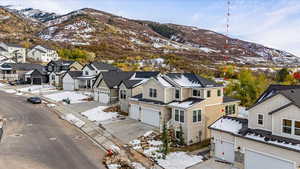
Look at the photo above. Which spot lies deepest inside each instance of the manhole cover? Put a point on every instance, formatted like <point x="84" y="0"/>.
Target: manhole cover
<point x="52" y="138"/>
<point x="17" y="135"/>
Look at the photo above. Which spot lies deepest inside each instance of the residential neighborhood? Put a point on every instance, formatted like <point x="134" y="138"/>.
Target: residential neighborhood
<point x="124" y="84"/>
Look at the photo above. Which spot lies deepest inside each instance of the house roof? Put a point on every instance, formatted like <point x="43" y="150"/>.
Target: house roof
<point x="145" y="74"/>
<point x="190" y="80"/>
<point x="239" y="127"/>
<point x="293" y="95"/>
<point x="13" y="45"/>
<point x="186" y="103"/>
<point x="138" y="78"/>
<point x="23" y="66"/>
<point x="42" y="51"/>
<point x="227" y="99"/>
<point x="132" y="83"/>
<point x="62" y="62"/>
<point x="104" y="66"/>
<point x="74" y="74"/>
<point x="114" y="78"/>
<point x="274" y="89"/>
<point x="139" y="97"/>
<point x="3" y="49"/>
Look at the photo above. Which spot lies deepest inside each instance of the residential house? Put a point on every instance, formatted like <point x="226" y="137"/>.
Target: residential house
<point x="132" y="87"/>
<point x="106" y="86"/>
<point x="90" y="72"/>
<point x="43" y="54"/>
<point x="70" y="81"/>
<point x="17" y="52"/>
<point x="269" y="138"/>
<point x="25" y="72"/>
<point x="56" y="70"/>
<point x="182" y="100"/>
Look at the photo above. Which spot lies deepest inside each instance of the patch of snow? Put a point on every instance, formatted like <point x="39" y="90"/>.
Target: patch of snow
<point x="97" y="114"/>
<point x="51" y="105"/>
<point x="73" y="120"/>
<point x="73" y="96"/>
<point x="37" y="89"/>
<point x="155" y="143"/>
<point x="148" y="133"/>
<point x="179" y="160"/>
<point x="113" y="166"/>
<point x="163" y="82"/>
<point x="11" y="91"/>
<point x="137" y="165"/>
<point x="183" y="105"/>
<point x="184" y="81"/>
<point x="208" y="50"/>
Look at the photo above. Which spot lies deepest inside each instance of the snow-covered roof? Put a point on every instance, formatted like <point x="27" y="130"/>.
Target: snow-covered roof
<point x="227" y="124"/>
<point x="161" y="80"/>
<point x="186" y="103"/>
<point x="29" y="73"/>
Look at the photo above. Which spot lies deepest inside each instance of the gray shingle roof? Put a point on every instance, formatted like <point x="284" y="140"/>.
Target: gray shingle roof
<point x="114" y="78"/>
<point x="104" y="66"/>
<point x="293" y="95"/>
<point x="24" y="66"/>
<point x="74" y="74"/>
<point x="227" y="99"/>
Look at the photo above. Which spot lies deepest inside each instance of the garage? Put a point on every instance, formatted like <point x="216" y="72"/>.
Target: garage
<point x="103" y="98"/>
<point x="68" y="86"/>
<point x="224" y="150"/>
<point x="262" y="161"/>
<point x="134" y="111"/>
<point x="37" y="81"/>
<point x="150" y="116"/>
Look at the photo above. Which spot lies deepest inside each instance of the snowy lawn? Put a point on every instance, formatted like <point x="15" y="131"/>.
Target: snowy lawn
<point x="74" y="120"/>
<point x="150" y="147"/>
<point x="73" y="96"/>
<point x="97" y="114"/>
<point x="10" y="91"/>
<point x="38" y="88"/>
<point x="2" y="85"/>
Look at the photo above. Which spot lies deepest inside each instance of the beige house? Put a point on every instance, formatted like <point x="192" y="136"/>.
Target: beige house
<point x="269" y="138"/>
<point x="182" y="99"/>
<point x="42" y="54"/>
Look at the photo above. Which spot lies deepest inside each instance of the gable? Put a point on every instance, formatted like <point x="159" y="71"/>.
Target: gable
<point x="98" y="80"/>
<point x="67" y="77"/>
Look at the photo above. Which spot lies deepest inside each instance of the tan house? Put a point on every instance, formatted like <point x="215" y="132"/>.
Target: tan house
<point x="269" y="138"/>
<point x="182" y="99"/>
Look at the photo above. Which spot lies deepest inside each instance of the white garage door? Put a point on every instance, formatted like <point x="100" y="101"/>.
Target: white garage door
<point x="103" y="98"/>
<point x="224" y="150"/>
<point x="150" y="116"/>
<point x="68" y="86"/>
<point x="134" y="111"/>
<point x="255" y="160"/>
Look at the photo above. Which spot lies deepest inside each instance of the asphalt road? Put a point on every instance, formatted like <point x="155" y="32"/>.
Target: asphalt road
<point x="35" y="138"/>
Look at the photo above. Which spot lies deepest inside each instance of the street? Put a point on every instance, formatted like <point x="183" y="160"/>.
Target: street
<point x="35" y="138"/>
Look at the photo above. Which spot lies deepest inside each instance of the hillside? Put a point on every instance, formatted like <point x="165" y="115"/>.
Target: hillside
<point x="115" y="37"/>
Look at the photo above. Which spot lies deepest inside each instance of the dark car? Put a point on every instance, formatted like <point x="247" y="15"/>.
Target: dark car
<point x="34" y="100"/>
<point x="12" y="83"/>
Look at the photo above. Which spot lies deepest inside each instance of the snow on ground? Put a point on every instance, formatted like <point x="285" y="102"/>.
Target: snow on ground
<point x="2" y="85"/>
<point x="179" y="160"/>
<point x="97" y="114"/>
<point x="73" y="96"/>
<point x="38" y="88"/>
<point x="74" y="120"/>
<point x="11" y="91"/>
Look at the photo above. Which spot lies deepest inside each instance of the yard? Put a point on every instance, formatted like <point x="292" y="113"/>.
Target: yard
<point x="74" y="97"/>
<point x="98" y="115"/>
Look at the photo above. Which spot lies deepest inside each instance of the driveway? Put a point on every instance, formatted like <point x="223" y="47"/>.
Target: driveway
<point x="212" y="164"/>
<point x="128" y="129"/>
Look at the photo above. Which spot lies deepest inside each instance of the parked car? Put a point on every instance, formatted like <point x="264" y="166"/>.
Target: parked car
<point x="34" y="100"/>
<point x="16" y="82"/>
<point x="12" y="83"/>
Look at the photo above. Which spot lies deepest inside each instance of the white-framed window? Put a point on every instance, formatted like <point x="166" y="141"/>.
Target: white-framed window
<point x="179" y="115"/>
<point x="86" y="73"/>
<point x="297" y="128"/>
<point x="196" y="116"/>
<point x="123" y="94"/>
<point x="177" y="93"/>
<point x="260" y="119"/>
<point x="287" y="126"/>
<point x="208" y="93"/>
<point x="152" y="92"/>
<point x="196" y="93"/>
<point x="230" y="109"/>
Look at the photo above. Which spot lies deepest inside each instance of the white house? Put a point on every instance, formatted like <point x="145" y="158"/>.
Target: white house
<point x="70" y="81"/>
<point x="269" y="138"/>
<point x="13" y="51"/>
<point x="43" y="54"/>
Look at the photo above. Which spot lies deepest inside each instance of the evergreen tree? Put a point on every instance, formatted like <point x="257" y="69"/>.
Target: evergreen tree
<point x="181" y="139"/>
<point x="165" y="139"/>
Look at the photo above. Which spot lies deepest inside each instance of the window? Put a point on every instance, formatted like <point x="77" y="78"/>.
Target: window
<point x="177" y="94"/>
<point x="53" y="77"/>
<point x="123" y="94"/>
<point x="196" y="116"/>
<point x="177" y="134"/>
<point x="196" y="93"/>
<point x="219" y="92"/>
<point x="260" y="119"/>
<point x="176" y="115"/>
<point x="230" y="109"/>
<point x="86" y="73"/>
<point x="208" y="93"/>
<point x="297" y="128"/>
<point x="152" y="92"/>
<point x="179" y="115"/>
<point x="287" y="126"/>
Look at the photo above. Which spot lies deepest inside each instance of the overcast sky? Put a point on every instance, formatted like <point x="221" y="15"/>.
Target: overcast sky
<point x="274" y="23"/>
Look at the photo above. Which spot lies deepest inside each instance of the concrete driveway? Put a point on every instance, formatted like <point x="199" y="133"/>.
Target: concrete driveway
<point x="212" y="164"/>
<point x="128" y="129"/>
